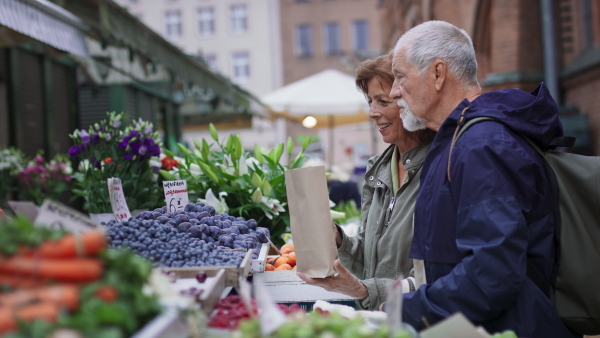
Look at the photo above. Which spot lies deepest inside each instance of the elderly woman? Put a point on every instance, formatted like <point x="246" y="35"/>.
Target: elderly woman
<point x="370" y="262"/>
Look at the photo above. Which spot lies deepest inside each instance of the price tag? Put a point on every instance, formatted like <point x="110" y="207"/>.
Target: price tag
<point x="117" y="199"/>
<point x="245" y="291"/>
<point x="58" y="216"/>
<point x="176" y="195"/>
<point x="270" y="315"/>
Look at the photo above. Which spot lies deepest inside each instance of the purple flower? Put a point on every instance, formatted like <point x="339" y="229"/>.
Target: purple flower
<point x="108" y="137"/>
<point x="116" y="123"/>
<point x="135" y="147"/>
<point x="123" y="144"/>
<point x="74" y="151"/>
<point x="142" y="150"/>
<point x="39" y="159"/>
<point x="155" y="169"/>
<point x="133" y="133"/>
<point x="147" y="130"/>
<point x="85" y="137"/>
<point x="95" y="138"/>
<point x="128" y="156"/>
<point x="154" y="150"/>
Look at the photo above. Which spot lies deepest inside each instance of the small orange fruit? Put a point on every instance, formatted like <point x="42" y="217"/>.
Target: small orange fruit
<point x="292" y="258"/>
<point x="271" y="260"/>
<point x="283" y="267"/>
<point x="287" y="245"/>
<point x="280" y="260"/>
<point x="286" y="251"/>
<point x="269" y="267"/>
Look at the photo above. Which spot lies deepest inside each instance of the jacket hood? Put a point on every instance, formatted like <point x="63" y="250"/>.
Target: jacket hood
<point x="534" y="114"/>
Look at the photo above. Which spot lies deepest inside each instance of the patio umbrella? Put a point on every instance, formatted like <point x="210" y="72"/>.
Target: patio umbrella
<point x="330" y="96"/>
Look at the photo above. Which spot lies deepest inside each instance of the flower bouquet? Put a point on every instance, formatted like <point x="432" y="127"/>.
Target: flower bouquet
<point x="12" y="161"/>
<point x="40" y="179"/>
<point x="228" y="178"/>
<point x="107" y="150"/>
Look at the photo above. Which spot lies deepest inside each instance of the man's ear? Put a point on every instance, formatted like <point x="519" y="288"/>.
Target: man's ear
<point x="439" y="69"/>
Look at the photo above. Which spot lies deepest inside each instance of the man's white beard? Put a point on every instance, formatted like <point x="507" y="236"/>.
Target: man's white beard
<point x="410" y="121"/>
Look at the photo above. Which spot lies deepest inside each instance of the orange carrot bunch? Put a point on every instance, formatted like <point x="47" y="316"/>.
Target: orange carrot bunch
<point x="68" y="262"/>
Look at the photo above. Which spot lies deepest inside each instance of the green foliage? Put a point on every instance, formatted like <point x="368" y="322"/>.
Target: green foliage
<point x="224" y="175"/>
<point x="95" y="318"/>
<point x="315" y="324"/>
<point x="350" y="211"/>
<point x="21" y="231"/>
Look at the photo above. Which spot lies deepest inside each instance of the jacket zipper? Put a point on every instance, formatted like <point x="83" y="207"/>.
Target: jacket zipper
<point x="392" y="202"/>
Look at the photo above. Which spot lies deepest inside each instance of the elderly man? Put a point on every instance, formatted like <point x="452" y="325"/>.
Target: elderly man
<point x="483" y="216"/>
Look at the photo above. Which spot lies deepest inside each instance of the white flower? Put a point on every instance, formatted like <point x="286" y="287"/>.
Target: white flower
<point x="84" y="165"/>
<point x="219" y="204"/>
<point x="243" y="166"/>
<point x="195" y="170"/>
<point x="274" y="205"/>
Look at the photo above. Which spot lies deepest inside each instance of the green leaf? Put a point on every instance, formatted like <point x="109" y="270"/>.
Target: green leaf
<point x="197" y="143"/>
<point x="167" y="175"/>
<point x="213" y="132"/>
<point x="278" y="152"/>
<point x="208" y="172"/>
<point x="168" y="153"/>
<point x="306" y="143"/>
<point x="257" y="196"/>
<point x="258" y="153"/>
<point x="205" y="150"/>
<point x="183" y="149"/>
<point x="256" y="180"/>
<point x="290" y="145"/>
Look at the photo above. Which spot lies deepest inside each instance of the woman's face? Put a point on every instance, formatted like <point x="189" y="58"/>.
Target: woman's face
<point x="384" y="111"/>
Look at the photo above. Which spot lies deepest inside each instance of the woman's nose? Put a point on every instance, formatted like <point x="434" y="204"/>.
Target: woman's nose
<point x="373" y="112"/>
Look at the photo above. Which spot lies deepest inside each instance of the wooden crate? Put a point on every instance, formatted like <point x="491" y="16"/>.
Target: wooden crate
<point x="232" y="273"/>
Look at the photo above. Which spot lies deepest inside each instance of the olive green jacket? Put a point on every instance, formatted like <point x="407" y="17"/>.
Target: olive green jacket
<point x="379" y="253"/>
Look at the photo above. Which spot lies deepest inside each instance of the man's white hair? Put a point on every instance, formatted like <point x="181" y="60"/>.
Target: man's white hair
<point x="440" y="40"/>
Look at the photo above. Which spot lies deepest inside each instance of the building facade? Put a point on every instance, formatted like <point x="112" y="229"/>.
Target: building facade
<point x="238" y="39"/>
<point x="522" y="43"/>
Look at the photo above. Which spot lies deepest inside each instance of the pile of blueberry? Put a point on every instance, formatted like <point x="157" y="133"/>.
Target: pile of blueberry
<point x="194" y="236"/>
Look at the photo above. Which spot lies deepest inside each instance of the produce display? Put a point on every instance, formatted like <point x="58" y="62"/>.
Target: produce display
<point x="230" y="312"/>
<point x="53" y="282"/>
<point x="194" y="236"/>
<point x="285" y="261"/>
<point x="321" y="324"/>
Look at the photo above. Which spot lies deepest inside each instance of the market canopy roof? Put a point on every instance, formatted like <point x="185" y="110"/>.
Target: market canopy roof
<point x="45" y="22"/>
<point x="330" y="96"/>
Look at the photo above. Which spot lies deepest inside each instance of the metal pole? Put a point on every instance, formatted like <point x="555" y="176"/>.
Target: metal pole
<point x="549" y="42"/>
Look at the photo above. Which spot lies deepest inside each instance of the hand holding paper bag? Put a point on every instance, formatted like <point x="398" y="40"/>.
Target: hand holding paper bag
<point x="310" y="221"/>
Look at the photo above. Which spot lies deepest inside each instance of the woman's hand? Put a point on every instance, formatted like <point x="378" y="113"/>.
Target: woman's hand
<point x="343" y="282"/>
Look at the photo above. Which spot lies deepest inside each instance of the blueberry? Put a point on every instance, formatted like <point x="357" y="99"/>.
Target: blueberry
<point x="183" y="227"/>
<point x="190" y="207"/>
<point x="251" y="224"/>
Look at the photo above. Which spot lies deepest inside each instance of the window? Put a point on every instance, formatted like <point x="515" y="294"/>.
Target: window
<point x="304" y="41"/>
<point x="173" y="24"/>
<point x="360" y="31"/>
<point x="241" y="67"/>
<point x="331" y="38"/>
<point x="239" y="19"/>
<point x="206" y="21"/>
<point x="211" y="61"/>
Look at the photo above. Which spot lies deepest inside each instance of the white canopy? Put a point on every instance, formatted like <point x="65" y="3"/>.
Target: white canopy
<point x="329" y="92"/>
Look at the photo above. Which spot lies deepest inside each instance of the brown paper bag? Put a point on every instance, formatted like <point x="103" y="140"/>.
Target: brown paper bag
<point x="310" y="221"/>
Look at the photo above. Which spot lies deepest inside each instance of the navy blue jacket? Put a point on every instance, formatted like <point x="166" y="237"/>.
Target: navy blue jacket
<point x="477" y="231"/>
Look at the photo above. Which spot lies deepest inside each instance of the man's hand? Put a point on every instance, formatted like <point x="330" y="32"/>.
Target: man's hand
<point x="343" y="282"/>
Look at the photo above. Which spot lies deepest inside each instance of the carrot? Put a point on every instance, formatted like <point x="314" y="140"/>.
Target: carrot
<point x="66" y="270"/>
<point x="64" y="295"/>
<point x="89" y="243"/>
<point x="47" y="311"/>
<point x="107" y="293"/>
<point x="19" y="282"/>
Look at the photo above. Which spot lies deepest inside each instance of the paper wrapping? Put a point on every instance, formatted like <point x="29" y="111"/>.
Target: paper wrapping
<point x="310" y="221"/>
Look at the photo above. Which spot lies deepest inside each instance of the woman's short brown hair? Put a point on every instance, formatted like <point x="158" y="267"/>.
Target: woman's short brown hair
<point x="379" y="67"/>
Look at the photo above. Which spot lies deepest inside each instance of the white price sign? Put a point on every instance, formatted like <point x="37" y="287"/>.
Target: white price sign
<point x="117" y="199"/>
<point x="58" y="216"/>
<point x="176" y="195"/>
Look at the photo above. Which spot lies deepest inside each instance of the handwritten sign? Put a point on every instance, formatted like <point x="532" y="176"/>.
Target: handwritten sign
<point x="176" y="195"/>
<point x="117" y="199"/>
<point x="58" y="216"/>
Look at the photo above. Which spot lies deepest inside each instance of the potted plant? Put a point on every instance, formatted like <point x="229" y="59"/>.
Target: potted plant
<point x="108" y="149"/>
<point x="225" y="176"/>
